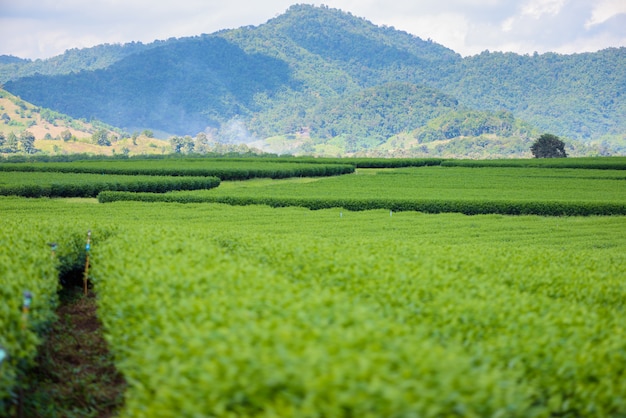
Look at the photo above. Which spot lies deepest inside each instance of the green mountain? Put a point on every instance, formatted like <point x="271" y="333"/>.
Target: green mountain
<point x="179" y="88"/>
<point x="323" y="76"/>
<point x="72" y="61"/>
<point x="579" y="96"/>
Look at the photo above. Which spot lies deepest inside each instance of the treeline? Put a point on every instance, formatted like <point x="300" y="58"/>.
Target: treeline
<point x="472" y="123"/>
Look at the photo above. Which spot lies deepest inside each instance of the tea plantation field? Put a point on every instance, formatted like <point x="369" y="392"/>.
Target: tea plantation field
<point x="513" y="190"/>
<point x="257" y="311"/>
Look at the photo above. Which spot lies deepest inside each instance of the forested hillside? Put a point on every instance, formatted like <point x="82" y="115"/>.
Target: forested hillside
<point x="180" y="88"/>
<point x="72" y="61"/>
<point x="579" y="95"/>
<point x="322" y="76"/>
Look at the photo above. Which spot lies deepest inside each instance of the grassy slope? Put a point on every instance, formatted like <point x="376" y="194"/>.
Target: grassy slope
<point x="25" y="116"/>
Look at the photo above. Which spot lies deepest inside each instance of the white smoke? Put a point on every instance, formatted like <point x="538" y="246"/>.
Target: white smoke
<point x="235" y="132"/>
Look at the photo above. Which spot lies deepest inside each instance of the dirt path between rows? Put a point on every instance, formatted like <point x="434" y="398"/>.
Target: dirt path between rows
<point x="75" y="375"/>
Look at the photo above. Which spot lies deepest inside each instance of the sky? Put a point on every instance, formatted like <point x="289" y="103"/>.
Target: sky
<point x="45" y="28"/>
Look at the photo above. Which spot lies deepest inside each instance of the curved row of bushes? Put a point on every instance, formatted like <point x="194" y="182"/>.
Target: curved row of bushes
<point x="467" y="207"/>
<point x="93" y="188"/>
<point x="222" y="171"/>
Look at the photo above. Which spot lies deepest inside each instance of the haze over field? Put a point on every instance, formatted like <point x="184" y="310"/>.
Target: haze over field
<point x="48" y="28"/>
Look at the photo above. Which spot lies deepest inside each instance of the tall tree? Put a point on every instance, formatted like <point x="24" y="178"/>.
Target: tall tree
<point x="176" y="143"/>
<point x="201" y="144"/>
<point x="548" y="146"/>
<point x="66" y="135"/>
<point x="101" y="137"/>
<point x="27" y="142"/>
<point x="11" y="142"/>
<point x="188" y="145"/>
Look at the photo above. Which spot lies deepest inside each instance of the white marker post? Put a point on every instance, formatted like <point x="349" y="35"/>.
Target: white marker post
<point x="28" y="299"/>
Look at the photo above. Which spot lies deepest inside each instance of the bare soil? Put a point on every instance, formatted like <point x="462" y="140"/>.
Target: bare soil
<point x="75" y="375"/>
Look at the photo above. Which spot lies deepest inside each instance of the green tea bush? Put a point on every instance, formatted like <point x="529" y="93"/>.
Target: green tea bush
<point x="220" y="310"/>
<point x="38" y="184"/>
<point x="509" y="191"/>
<point x="224" y="169"/>
<point x="29" y="264"/>
<point x="198" y="331"/>
<point x="393" y="162"/>
<point x="466" y="207"/>
<point x="269" y="312"/>
<point x="25" y="266"/>
<point x="593" y="163"/>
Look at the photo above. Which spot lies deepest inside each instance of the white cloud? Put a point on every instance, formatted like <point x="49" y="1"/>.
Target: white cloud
<point x="605" y="10"/>
<point x="508" y="24"/>
<point x="538" y="8"/>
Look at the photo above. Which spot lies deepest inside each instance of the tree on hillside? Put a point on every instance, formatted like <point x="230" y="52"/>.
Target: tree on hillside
<point x="11" y="142"/>
<point x="548" y="146"/>
<point x="182" y="145"/>
<point x="27" y="142"/>
<point x="66" y="135"/>
<point x="2" y="139"/>
<point x="176" y="143"/>
<point x="188" y="145"/>
<point x="101" y="137"/>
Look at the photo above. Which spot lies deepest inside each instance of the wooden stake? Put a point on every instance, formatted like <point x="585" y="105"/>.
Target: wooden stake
<point x="86" y="275"/>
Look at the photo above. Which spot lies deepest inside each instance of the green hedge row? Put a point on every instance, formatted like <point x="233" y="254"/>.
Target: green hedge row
<point x="27" y="268"/>
<point x="224" y="173"/>
<point x="367" y="162"/>
<point x="394" y="162"/>
<point x="598" y="163"/>
<point x="91" y="189"/>
<point x="468" y="207"/>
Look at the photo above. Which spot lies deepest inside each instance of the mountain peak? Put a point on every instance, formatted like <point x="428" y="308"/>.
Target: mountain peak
<point x="326" y="28"/>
